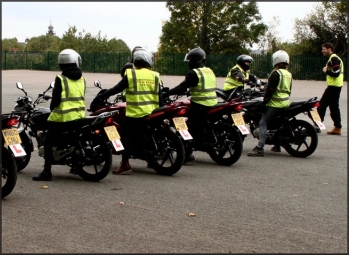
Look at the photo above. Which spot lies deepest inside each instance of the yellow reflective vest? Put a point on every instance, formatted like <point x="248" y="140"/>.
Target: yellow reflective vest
<point x="232" y="83"/>
<point x="205" y="92"/>
<point x="142" y="94"/>
<point x="72" y="104"/>
<point x="335" y="81"/>
<point x="281" y="97"/>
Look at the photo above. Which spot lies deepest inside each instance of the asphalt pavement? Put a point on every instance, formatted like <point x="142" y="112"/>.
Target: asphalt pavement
<point x="272" y="204"/>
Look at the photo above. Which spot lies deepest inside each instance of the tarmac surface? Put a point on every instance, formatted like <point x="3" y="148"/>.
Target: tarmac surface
<point x="273" y="204"/>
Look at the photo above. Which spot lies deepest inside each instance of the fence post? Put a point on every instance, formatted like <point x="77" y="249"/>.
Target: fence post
<point x="94" y="62"/>
<point x="5" y="60"/>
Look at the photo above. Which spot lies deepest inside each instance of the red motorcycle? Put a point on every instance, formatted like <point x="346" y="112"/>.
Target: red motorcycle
<point x="160" y="146"/>
<point x="221" y="141"/>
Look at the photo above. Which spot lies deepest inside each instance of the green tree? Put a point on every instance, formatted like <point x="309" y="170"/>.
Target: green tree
<point x="9" y="43"/>
<point x="328" y="22"/>
<point x="43" y="43"/>
<point x="223" y="27"/>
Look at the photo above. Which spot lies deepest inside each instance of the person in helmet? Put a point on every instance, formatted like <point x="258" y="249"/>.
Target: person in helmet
<point x="201" y="82"/>
<point x="276" y="98"/>
<point x="239" y="74"/>
<point x="130" y="63"/>
<point x="71" y="86"/>
<point x="142" y="96"/>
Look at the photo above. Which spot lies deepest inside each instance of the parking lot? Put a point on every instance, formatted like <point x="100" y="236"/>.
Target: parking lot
<point x="273" y="204"/>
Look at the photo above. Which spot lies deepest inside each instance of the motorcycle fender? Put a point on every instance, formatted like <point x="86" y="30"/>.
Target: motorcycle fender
<point x="26" y="139"/>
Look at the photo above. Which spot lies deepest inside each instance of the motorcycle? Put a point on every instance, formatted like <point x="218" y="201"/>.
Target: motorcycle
<point x="9" y="172"/>
<point x="82" y="148"/>
<point x="159" y="145"/>
<point x="223" y="142"/>
<point x="298" y="137"/>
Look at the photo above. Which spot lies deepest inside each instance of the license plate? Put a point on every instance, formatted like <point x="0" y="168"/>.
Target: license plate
<point x="238" y="119"/>
<point x="315" y="115"/>
<point x="11" y="136"/>
<point x="180" y="123"/>
<point x="112" y="133"/>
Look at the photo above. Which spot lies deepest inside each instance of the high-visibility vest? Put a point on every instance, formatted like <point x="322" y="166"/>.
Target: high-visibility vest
<point x="142" y="94"/>
<point x="72" y="104"/>
<point x="335" y="81"/>
<point x="281" y="96"/>
<point x="231" y="83"/>
<point x="205" y="92"/>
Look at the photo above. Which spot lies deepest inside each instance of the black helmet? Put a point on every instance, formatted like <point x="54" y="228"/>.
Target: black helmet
<point x="242" y="59"/>
<point x="196" y="58"/>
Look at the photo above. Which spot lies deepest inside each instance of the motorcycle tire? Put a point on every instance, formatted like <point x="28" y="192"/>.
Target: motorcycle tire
<point x="300" y="147"/>
<point x="9" y="172"/>
<point x="168" y="158"/>
<point x="97" y="160"/>
<point x="227" y="149"/>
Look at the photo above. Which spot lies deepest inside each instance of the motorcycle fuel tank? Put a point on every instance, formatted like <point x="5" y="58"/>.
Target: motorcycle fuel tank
<point x="40" y="116"/>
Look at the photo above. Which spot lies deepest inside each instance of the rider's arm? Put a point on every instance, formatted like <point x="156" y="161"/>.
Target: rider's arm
<point x="56" y="94"/>
<point x="236" y="74"/>
<point x="123" y="84"/>
<point x="334" y="69"/>
<point x="273" y="82"/>
<point x="191" y="80"/>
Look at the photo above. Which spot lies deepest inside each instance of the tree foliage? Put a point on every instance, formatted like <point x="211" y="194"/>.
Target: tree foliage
<point x="222" y="27"/>
<point x="9" y="43"/>
<point x="328" y="22"/>
<point x="43" y="43"/>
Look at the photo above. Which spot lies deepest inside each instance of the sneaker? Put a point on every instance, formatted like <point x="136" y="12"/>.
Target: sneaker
<point x="124" y="168"/>
<point x="256" y="152"/>
<point x="74" y="170"/>
<point x="43" y="176"/>
<point x="318" y="130"/>
<point x="276" y="148"/>
<point x="189" y="158"/>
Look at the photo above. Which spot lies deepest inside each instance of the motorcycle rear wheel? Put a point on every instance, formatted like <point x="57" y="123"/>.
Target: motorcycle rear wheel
<point x="9" y="172"/>
<point x="227" y="149"/>
<point x="305" y="141"/>
<point x="98" y="159"/>
<point x="168" y="158"/>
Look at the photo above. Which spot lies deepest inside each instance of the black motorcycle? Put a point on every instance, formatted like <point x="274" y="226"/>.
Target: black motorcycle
<point x="82" y="148"/>
<point x="8" y="173"/>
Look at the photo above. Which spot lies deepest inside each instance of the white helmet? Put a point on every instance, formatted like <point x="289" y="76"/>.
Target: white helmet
<point x="143" y="55"/>
<point x="280" y="56"/>
<point x="69" y="56"/>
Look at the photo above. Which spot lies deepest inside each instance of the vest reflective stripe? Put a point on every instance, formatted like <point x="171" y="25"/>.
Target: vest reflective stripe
<point x="205" y="92"/>
<point x="142" y="94"/>
<point x="336" y="81"/>
<point x="281" y="96"/>
<point x="231" y="83"/>
<point x="72" y="104"/>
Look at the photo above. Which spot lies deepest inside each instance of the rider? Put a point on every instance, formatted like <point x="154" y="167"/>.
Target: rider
<point x="276" y="98"/>
<point x="139" y="84"/>
<point x="239" y="74"/>
<point x="67" y="105"/>
<point x="201" y="82"/>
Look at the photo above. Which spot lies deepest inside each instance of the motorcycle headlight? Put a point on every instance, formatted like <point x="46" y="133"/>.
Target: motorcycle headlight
<point x="18" y="107"/>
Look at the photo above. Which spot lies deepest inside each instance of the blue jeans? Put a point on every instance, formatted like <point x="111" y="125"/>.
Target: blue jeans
<point x="268" y="116"/>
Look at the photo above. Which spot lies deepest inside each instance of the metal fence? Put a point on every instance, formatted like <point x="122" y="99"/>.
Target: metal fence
<point x="302" y="67"/>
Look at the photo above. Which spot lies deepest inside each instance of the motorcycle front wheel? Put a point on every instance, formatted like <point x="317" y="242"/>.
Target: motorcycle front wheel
<point x="167" y="154"/>
<point x="9" y="172"/>
<point x="304" y="141"/>
<point x="97" y="161"/>
<point x="226" y="147"/>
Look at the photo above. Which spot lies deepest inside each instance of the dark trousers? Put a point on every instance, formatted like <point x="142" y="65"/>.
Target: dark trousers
<point x="196" y="120"/>
<point x="52" y="137"/>
<point x="330" y="98"/>
<point x="132" y="131"/>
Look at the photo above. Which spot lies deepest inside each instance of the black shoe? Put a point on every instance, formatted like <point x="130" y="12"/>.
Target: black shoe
<point x="276" y="148"/>
<point x="189" y="158"/>
<point x="256" y="152"/>
<point x="43" y="176"/>
<point x="74" y="170"/>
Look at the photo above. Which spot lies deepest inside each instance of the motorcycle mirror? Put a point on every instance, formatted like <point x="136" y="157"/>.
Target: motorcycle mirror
<point x="19" y="85"/>
<point x="52" y="85"/>
<point x="97" y="84"/>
